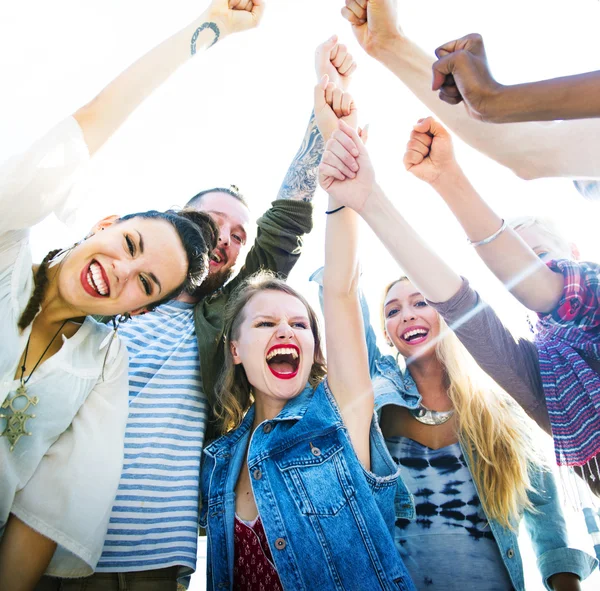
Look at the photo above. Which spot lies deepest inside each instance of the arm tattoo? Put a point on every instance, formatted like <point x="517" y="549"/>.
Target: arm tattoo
<point x="300" y="182"/>
<point x="213" y="27"/>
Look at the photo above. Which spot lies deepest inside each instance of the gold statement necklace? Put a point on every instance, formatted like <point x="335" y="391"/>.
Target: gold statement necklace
<point x="19" y="403"/>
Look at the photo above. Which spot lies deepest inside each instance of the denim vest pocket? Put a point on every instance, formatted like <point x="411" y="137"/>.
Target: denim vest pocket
<point x="317" y="475"/>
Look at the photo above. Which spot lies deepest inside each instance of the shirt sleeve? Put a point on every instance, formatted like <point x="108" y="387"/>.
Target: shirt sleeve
<point x="512" y="363"/>
<point x="579" y="304"/>
<point x="38" y="182"/>
<point x="70" y="496"/>
<point x="548" y="532"/>
<point x="278" y="241"/>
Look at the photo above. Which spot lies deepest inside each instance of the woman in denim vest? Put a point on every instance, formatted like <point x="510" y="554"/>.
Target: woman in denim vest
<point x="470" y="463"/>
<point x="300" y="492"/>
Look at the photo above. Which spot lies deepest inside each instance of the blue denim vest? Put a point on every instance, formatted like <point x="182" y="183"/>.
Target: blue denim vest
<point x="545" y="525"/>
<point x="329" y="522"/>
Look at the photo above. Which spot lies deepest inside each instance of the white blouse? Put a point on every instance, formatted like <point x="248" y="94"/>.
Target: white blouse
<point x="62" y="479"/>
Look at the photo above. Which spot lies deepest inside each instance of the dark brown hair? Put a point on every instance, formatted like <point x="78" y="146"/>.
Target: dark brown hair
<point x="198" y="234"/>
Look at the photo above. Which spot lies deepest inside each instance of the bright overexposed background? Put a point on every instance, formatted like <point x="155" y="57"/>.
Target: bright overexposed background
<point x="237" y="114"/>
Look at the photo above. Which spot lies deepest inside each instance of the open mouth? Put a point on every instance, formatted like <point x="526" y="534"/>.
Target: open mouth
<point x="284" y="361"/>
<point x="415" y="335"/>
<point x="217" y="258"/>
<point x="95" y="281"/>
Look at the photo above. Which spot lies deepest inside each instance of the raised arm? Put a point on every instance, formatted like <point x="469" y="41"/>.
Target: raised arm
<point x="430" y="157"/>
<point x="102" y="116"/>
<point x="300" y="182"/>
<point x="462" y="73"/>
<point x="530" y="150"/>
<point x="347" y="358"/>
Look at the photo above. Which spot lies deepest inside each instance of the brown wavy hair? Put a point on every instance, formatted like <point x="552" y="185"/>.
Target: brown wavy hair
<point x="234" y="391"/>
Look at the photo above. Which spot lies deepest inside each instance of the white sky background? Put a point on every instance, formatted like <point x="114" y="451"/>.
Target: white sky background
<point x="237" y="113"/>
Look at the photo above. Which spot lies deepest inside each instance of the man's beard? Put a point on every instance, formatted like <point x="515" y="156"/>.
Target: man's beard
<point x="213" y="282"/>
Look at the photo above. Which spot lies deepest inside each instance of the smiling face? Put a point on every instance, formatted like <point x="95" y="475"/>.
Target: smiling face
<point x="275" y="345"/>
<point x="232" y="217"/>
<point x="122" y="267"/>
<point x="410" y="323"/>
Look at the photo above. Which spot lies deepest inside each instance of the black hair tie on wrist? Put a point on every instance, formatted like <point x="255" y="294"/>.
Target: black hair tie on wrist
<point x="334" y="210"/>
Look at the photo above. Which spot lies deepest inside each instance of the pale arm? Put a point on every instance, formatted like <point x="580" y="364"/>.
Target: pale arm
<point x="531" y="150"/>
<point x="426" y="270"/>
<point x="347" y="356"/>
<point x="102" y="116"/>
<point x="430" y="157"/>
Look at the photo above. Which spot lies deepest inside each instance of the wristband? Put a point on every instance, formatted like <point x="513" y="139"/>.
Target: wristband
<point x="334" y="210"/>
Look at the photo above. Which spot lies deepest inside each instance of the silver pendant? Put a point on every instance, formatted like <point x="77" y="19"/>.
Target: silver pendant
<point x="16" y="419"/>
<point x="431" y="417"/>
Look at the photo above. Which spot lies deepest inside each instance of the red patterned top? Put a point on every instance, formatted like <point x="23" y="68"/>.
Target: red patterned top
<point x="253" y="564"/>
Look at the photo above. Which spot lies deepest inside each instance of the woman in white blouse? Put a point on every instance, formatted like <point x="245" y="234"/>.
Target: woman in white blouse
<point x="63" y="379"/>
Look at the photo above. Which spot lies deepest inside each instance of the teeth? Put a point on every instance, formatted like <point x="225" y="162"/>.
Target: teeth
<point x="283" y="351"/>
<point x="412" y="333"/>
<point x="96" y="280"/>
<point x="215" y="257"/>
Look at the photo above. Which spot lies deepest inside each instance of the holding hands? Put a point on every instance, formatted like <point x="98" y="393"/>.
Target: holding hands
<point x="429" y="152"/>
<point x="334" y="60"/>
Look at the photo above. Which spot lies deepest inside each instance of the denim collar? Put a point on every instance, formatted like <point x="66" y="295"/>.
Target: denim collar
<point x="294" y="410"/>
<point x="404" y="392"/>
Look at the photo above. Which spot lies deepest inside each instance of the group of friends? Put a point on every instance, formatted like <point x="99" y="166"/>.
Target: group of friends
<point x="152" y="385"/>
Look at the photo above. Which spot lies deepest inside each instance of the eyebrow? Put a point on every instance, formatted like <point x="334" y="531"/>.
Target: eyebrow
<point x="238" y="227"/>
<point x="396" y="300"/>
<point x="141" y="242"/>
<point x="269" y="317"/>
<point x="151" y="275"/>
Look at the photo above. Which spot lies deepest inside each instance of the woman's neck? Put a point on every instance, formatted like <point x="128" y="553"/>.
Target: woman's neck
<point x="266" y="408"/>
<point x="54" y="310"/>
<point x="430" y="379"/>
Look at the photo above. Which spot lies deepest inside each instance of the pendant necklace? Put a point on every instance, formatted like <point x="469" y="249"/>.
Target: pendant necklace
<point x="431" y="417"/>
<point x="19" y="403"/>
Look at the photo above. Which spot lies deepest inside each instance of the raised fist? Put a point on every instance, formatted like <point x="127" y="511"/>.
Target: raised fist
<point x="334" y="60"/>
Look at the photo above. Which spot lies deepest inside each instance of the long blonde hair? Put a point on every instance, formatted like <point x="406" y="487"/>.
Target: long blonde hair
<point x="234" y="391"/>
<point x="494" y="432"/>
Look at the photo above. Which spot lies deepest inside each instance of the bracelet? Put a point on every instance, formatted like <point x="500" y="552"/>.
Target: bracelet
<point x="334" y="210"/>
<point x="489" y="238"/>
<point x="208" y="25"/>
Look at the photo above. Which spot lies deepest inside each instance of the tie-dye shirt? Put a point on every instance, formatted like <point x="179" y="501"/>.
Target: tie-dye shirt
<point x="449" y="546"/>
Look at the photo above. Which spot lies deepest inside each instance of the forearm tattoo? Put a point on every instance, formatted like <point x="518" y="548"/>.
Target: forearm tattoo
<point x="208" y="25"/>
<point x="300" y="182"/>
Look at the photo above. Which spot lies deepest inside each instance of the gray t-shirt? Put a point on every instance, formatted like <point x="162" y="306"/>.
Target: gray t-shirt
<point x="513" y="363"/>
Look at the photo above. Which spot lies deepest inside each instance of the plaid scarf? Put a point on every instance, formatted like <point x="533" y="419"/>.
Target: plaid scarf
<point x="571" y="386"/>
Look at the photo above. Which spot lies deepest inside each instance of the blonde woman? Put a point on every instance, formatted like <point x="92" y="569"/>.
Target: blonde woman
<point x="465" y="450"/>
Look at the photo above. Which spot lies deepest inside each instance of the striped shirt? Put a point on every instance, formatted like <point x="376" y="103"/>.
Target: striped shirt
<point x="154" y="521"/>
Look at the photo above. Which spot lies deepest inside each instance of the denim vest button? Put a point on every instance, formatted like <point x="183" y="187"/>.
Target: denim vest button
<point x="315" y="451"/>
<point x="257" y="474"/>
<point x="280" y="543"/>
<point x="268" y="428"/>
<point x="510" y="553"/>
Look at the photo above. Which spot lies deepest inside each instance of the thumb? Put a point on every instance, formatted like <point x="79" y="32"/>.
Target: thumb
<point x="431" y="126"/>
<point x="329" y="44"/>
<point x="363" y="133"/>
<point x="258" y="10"/>
<point x="442" y="68"/>
<point x="353" y="135"/>
<point x="320" y="101"/>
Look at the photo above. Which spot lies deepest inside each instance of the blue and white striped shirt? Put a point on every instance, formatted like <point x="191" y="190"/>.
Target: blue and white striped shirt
<point x="154" y="521"/>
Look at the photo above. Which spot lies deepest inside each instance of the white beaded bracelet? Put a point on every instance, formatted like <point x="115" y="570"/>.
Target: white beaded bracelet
<point x="489" y="238"/>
